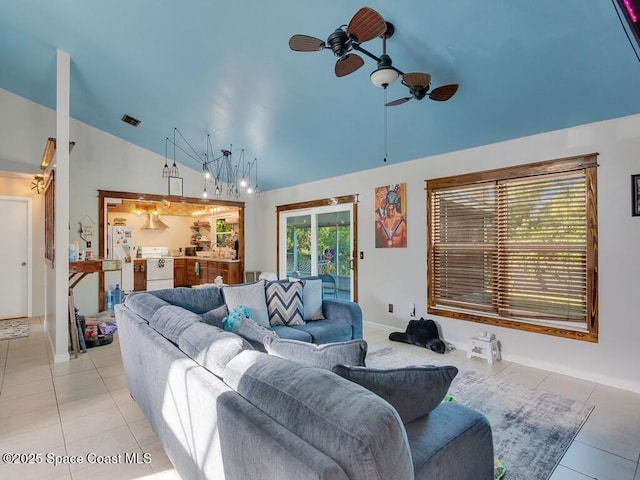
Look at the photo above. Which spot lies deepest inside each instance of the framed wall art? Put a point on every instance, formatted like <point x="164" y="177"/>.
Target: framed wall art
<point x="175" y="186"/>
<point x="635" y="195"/>
<point x="391" y="216"/>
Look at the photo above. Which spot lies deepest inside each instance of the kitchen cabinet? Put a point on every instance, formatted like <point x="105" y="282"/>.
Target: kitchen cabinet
<point x="199" y="275"/>
<point x="139" y="275"/>
<point x="208" y="271"/>
<point x="180" y="272"/>
<point x="230" y="272"/>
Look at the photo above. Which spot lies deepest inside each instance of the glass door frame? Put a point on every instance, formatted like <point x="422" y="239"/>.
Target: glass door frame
<point x="313" y="208"/>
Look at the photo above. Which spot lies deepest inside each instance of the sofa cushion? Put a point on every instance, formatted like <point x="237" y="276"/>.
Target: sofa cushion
<point x="251" y="296"/>
<point x="311" y="297"/>
<point x="454" y="441"/>
<point x="346" y="422"/>
<point x="325" y="356"/>
<point x="170" y="321"/>
<point x="292" y="333"/>
<point x="284" y="303"/>
<point x="215" y="316"/>
<point x="211" y="347"/>
<point x="194" y="299"/>
<point x="144" y="304"/>
<point x="327" y="331"/>
<point x="413" y="391"/>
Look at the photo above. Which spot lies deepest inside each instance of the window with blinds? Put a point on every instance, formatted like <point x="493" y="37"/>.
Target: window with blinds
<point x="516" y="247"/>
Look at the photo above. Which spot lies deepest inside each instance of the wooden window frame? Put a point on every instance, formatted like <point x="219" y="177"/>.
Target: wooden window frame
<point x="588" y="330"/>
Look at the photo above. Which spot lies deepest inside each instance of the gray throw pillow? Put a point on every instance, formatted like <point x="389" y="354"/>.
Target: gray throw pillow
<point x="214" y="317"/>
<point x="352" y="352"/>
<point x="412" y="391"/>
<point x="311" y="297"/>
<point x="251" y="296"/>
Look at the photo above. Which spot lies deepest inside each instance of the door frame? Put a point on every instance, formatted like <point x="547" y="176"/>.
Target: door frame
<point x="28" y="201"/>
<point x="325" y="202"/>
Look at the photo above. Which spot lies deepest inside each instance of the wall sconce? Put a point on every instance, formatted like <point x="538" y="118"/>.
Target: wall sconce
<point x="49" y="150"/>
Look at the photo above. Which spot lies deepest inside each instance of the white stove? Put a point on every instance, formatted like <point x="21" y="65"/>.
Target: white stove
<point x="159" y="267"/>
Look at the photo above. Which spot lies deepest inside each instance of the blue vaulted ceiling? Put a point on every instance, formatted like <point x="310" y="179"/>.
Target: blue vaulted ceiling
<point x="225" y="68"/>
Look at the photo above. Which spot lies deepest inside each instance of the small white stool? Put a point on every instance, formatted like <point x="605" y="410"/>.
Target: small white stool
<point x="484" y="346"/>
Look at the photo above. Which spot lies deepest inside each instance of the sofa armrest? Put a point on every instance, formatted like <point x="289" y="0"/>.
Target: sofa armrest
<point x="344" y="311"/>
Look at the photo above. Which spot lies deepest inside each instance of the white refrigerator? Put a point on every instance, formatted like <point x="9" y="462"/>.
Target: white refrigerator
<point x="120" y="247"/>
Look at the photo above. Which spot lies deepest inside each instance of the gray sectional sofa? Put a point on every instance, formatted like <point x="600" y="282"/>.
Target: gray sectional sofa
<point x="224" y="410"/>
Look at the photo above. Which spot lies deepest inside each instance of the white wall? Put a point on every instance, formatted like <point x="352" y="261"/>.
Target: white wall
<point x="398" y="276"/>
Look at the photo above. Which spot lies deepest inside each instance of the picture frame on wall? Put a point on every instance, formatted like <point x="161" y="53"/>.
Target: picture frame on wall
<point x="635" y="195"/>
<point x="175" y="186"/>
<point x="391" y="216"/>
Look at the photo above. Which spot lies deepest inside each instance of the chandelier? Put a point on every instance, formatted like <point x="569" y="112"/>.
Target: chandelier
<point x="221" y="174"/>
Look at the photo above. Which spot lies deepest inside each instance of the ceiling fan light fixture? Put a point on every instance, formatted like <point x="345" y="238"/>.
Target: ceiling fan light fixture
<point x="383" y="77"/>
<point x="385" y="74"/>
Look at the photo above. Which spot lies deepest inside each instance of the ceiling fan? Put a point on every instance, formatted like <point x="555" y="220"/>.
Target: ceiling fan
<point x="367" y="24"/>
<point x="418" y="84"/>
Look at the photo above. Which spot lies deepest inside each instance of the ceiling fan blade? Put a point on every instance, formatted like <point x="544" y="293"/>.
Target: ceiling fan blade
<point x="305" y="43"/>
<point x="417" y="80"/>
<point x="443" y="93"/>
<point x="400" y="101"/>
<point x="366" y="24"/>
<point x="348" y="64"/>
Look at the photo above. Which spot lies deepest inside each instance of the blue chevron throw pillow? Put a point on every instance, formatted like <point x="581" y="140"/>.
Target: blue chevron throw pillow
<point x="284" y="303"/>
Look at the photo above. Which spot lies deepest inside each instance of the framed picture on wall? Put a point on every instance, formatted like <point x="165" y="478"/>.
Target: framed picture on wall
<point x="175" y="186"/>
<point x="635" y="195"/>
<point x="391" y="216"/>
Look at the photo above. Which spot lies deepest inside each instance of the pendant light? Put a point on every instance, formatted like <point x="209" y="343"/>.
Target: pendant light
<point x="173" y="172"/>
<point x="165" y="170"/>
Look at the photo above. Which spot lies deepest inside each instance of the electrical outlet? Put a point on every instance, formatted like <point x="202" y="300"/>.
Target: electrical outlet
<point x="391" y="308"/>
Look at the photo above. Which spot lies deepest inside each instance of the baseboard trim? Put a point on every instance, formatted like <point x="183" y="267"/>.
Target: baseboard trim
<point x="609" y="381"/>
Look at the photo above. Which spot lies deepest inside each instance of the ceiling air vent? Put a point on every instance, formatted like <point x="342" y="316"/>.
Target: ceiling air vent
<point x="130" y="120"/>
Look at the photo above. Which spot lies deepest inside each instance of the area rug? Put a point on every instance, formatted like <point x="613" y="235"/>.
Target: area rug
<point x="532" y="429"/>
<point x="14" y="328"/>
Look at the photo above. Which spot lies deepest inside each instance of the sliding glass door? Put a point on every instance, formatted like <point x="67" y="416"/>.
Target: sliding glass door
<point x="319" y="241"/>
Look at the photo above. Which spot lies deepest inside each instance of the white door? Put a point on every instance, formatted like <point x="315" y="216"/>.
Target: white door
<point x="319" y="241"/>
<point x="15" y="214"/>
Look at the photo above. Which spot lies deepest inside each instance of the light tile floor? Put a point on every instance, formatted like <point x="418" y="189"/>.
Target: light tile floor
<point x="82" y="409"/>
